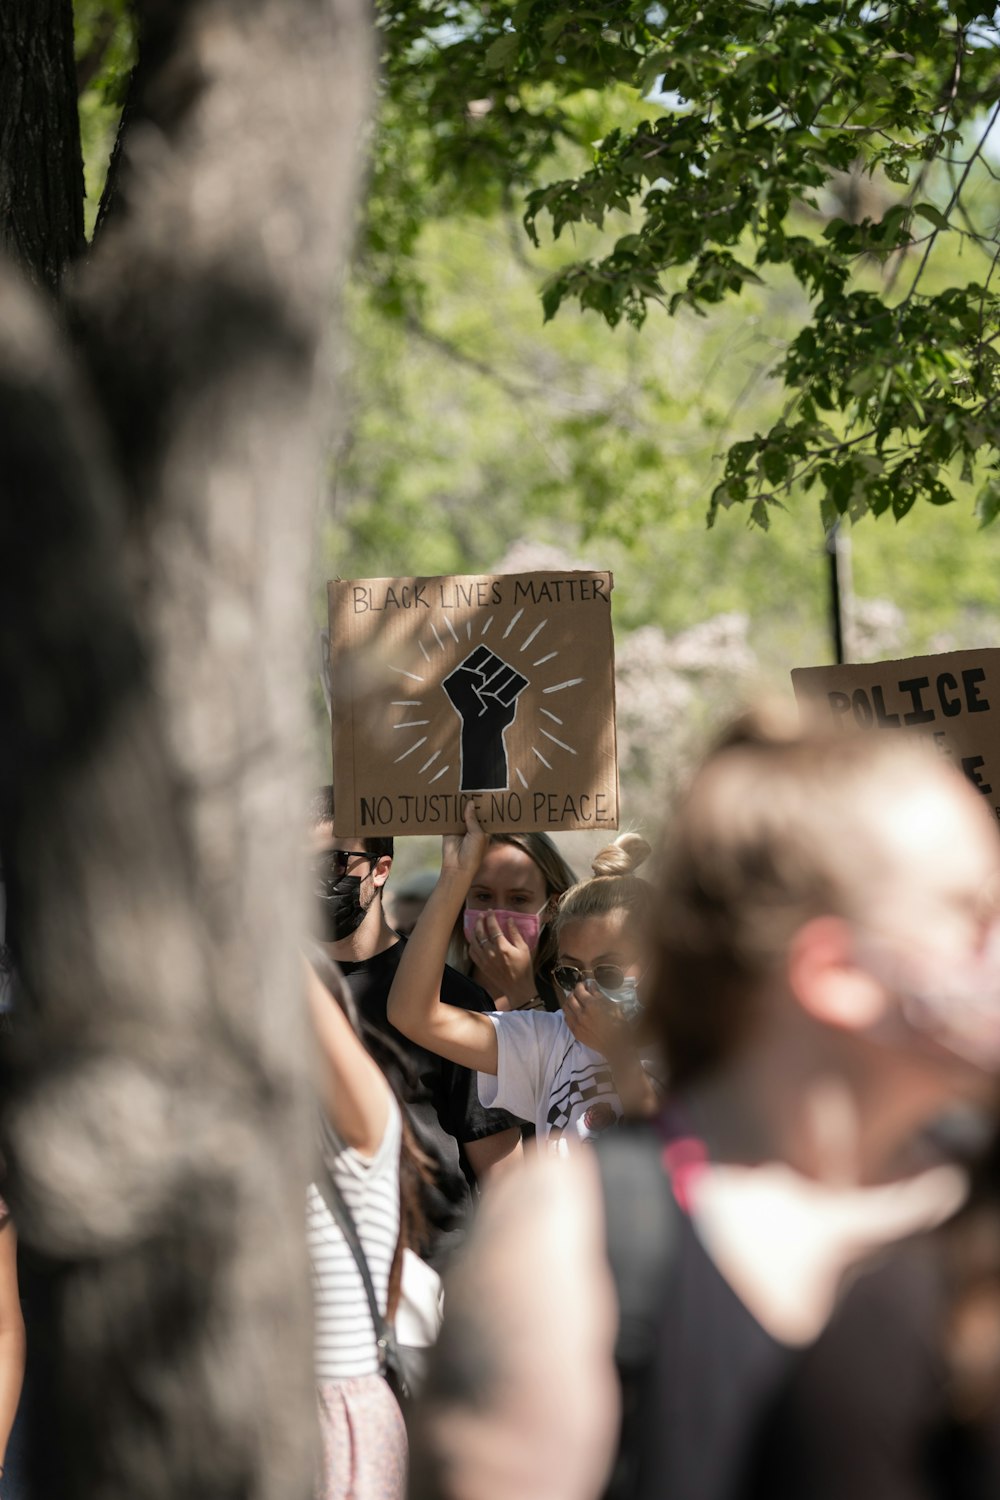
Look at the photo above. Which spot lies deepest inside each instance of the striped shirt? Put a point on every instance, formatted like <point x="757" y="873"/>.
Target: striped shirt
<point x="344" y="1336"/>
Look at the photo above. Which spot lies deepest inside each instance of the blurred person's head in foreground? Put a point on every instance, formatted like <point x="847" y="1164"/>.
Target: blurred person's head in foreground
<point x="826" y="985"/>
<point x="831" y="901"/>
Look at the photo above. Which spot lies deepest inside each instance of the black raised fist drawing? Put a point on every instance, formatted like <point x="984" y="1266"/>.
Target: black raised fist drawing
<point x="484" y="690"/>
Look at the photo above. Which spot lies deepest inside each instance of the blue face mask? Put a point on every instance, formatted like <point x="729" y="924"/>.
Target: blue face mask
<point x="627" y="996"/>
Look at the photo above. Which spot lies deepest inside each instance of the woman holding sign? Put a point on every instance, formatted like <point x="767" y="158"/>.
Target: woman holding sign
<point x="572" y="1073"/>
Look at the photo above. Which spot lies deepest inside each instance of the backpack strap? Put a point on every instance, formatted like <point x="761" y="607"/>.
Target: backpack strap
<point x="641" y="1228"/>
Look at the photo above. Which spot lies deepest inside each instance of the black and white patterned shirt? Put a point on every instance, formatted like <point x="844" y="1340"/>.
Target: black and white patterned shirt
<point x="546" y="1076"/>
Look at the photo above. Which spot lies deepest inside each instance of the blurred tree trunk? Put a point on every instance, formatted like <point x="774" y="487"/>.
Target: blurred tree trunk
<point x="41" y="167"/>
<point x="159" y="472"/>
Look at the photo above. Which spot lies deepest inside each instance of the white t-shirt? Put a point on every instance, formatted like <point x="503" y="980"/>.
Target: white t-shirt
<point x="344" y="1336"/>
<point x="545" y="1075"/>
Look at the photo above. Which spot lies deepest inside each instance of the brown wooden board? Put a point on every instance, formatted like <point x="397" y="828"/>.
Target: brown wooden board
<point x="494" y="688"/>
<point x="952" y="700"/>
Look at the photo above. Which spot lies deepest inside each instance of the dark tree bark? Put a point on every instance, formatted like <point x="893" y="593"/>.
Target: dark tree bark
<point x="41" y="165"/>
<point x="158" y="488"/>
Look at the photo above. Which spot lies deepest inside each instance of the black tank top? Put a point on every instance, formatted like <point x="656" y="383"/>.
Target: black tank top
<point x="726" y="1412"/>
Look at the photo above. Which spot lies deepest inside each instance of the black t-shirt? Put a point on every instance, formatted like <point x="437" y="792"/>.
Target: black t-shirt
<point x="442" y="1099"/>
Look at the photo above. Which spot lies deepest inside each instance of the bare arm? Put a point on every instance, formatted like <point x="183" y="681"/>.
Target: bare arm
<point x="633" y="1084"/>
<point x="355" y="1094"/>
<point x="11" y="1335"/>
<point x="415" y="1006"/>
<point x="523" y="1398"/>
<point x="492" y="1156"/>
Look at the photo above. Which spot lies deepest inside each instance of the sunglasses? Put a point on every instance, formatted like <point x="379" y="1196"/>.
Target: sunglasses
<point x="608" y="976"/>
<point x="332" y="865"/>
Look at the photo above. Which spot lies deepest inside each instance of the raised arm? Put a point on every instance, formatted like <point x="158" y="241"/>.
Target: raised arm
<point x="465" y="1037"/>
<point x="11" y="1335"/>
<point x="355" y="1094"/>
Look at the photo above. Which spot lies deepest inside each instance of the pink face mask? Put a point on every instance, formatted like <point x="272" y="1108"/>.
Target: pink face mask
<point x="528" y="923"/>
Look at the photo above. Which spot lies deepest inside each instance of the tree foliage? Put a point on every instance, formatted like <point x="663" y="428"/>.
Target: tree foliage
<point x="745" y="115"/>
<point x="106" y="42"/>
<point x="732" y="134"/>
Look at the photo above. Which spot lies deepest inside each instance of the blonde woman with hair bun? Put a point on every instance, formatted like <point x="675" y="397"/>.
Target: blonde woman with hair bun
<point x="574" y="1072"/>
<point x="626" y="854"/>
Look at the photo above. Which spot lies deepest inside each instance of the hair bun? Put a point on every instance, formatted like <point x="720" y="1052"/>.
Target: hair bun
<point x="622" y="857"/>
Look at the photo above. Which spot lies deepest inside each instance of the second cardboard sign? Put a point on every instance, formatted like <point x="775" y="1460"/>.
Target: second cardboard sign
<point x="953" y="700"/>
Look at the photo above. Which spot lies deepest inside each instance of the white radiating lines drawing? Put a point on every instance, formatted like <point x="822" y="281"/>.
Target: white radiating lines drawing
<point x="432" y="769"/>
<point x="415" y="746"/>
<point x="561" y="743"/>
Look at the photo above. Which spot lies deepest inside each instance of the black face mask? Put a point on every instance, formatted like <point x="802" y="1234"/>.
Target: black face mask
<point x="341" y="909"/>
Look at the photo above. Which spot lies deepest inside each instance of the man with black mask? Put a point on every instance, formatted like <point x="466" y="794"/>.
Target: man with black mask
<point x="463" y="1140"/>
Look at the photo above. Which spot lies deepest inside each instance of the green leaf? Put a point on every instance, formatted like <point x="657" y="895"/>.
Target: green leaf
<point x="775" y="464"/>
<point x="552" y="296"/>
<point x="938" y="493"/>
<point x="988" y="502"/>
<point x="931" y="214"/>
<point x="502" y="52"/>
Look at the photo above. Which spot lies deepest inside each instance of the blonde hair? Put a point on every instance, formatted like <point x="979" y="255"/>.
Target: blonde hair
<point x="614" y="886"/>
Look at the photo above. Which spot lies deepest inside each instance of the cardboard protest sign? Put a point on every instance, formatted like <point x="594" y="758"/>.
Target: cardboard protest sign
<point x="496" y="689"/>
<point x="953" y="700"/>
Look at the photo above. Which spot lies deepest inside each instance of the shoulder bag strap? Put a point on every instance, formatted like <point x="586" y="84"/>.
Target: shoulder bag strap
<point x="385" y="1340"/>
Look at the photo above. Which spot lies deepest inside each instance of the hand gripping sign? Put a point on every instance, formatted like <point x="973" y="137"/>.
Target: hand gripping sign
<point x="497" y="689"/>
